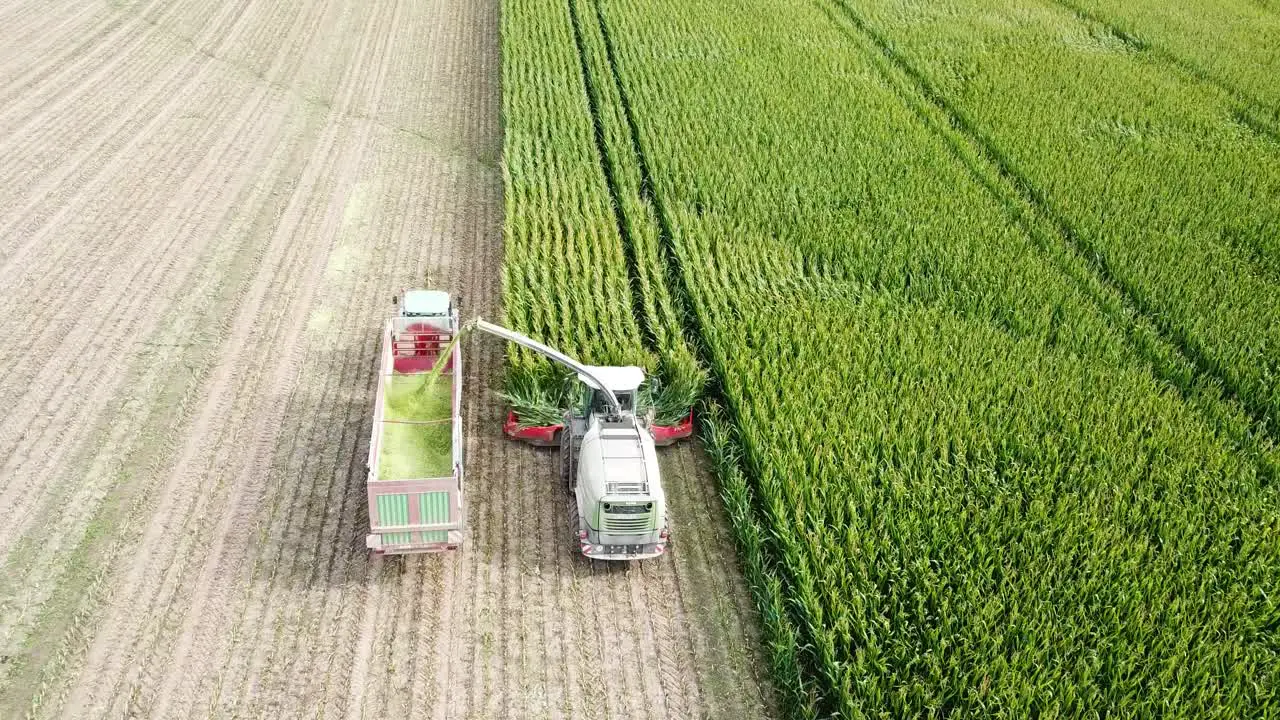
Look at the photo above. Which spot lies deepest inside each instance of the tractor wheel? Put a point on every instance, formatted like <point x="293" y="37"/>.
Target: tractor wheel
<point x="575" y="522"/>
<point x="566" y="460"/>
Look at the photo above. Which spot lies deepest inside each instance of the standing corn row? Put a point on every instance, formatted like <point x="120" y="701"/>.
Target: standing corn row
<point x="565" y="278"/>
<point x="583" y="271"/>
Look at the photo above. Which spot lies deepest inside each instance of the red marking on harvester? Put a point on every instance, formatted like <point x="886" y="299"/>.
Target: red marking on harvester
<point x="540" y="435"/>
<point x="547" y="435"/>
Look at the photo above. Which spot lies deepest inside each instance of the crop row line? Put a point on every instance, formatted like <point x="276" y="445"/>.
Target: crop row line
<point x="1033" y="210"/>
<point x="1249" y="106"/>
<point x="666" y="244"/>
<point x="785" y="646"/>
<point x="662" y="313"/>
<point x="782" y="638"/>
<point x="611" y="180"/>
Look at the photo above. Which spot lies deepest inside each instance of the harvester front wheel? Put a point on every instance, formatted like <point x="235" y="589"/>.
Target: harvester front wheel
<point x="566" y="460"/>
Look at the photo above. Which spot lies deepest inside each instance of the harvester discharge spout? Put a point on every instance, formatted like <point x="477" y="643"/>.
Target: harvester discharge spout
<point x="551" y="353"/>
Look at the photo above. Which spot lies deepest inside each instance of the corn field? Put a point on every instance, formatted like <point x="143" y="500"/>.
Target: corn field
<point x="583" y="270"/>
<point x="988" y="293"/>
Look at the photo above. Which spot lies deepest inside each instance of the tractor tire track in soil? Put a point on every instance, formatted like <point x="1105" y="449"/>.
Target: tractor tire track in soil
<point x="205" y="208"/>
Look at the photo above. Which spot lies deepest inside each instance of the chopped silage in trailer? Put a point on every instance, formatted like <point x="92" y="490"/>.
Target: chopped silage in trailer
<point x="417" y="438"/>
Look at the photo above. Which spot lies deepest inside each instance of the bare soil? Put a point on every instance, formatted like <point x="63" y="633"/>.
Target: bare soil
<point x="205" y="208"/>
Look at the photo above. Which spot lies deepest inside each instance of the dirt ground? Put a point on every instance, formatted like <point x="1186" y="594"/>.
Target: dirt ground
<point x="205" y="208"/>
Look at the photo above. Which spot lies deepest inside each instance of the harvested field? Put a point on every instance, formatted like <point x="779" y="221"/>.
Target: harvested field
<point x="205" y="208"/>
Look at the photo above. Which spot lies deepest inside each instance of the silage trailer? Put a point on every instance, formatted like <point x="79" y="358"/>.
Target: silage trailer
<point x="415" y="466"/>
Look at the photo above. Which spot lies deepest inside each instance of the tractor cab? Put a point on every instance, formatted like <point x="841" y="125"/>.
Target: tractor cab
<point x="425" y="323"/>
<point x="623" y="381"/>
<point x="425" y="304"/>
